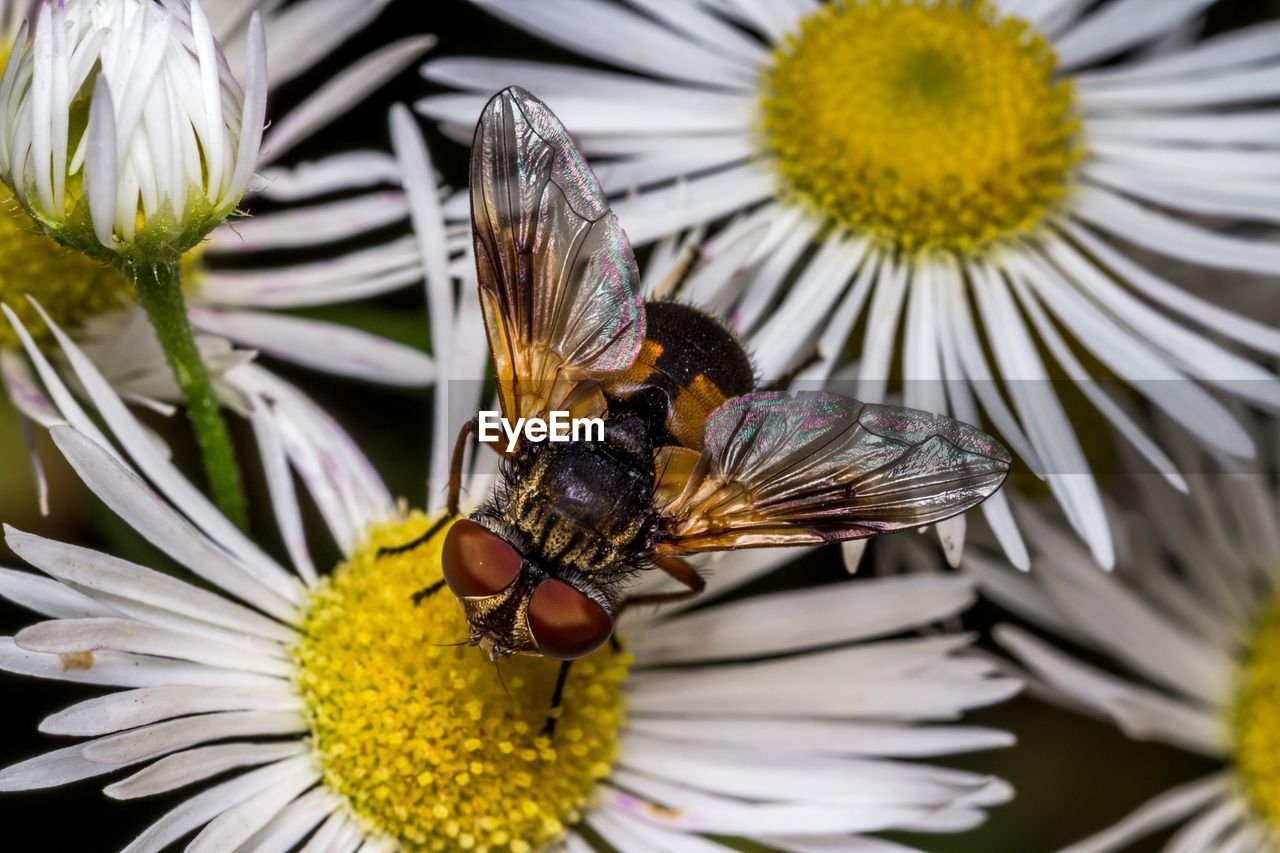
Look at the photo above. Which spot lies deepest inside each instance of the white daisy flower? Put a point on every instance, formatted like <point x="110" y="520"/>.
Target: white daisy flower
<point x="349" y="196"/>
<point x="963" y="183"/>
<point x="1192" y="617"/>
<point x="337" y="714"/>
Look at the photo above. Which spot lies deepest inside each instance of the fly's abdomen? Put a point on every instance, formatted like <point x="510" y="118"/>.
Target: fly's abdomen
<point x="689" y="365"/>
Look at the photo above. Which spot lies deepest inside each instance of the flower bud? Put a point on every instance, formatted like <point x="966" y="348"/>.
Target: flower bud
<point x="122" y="130"/>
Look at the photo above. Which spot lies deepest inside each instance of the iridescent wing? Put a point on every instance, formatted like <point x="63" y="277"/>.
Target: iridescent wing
<point x="778" y="469"/>
<point x="558" y="281"/>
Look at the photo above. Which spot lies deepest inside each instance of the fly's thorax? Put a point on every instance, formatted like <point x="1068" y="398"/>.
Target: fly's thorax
<point x="581" y="507"/>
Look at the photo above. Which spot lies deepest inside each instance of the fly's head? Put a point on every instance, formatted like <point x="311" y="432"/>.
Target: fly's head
<point x="513" y="605"/>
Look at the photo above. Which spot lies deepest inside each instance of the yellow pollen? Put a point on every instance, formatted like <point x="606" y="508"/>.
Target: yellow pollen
<point x="927" y="125"/>
<point x="1257" y="719"/>
<point x="70" y="286"/>
<point x="420" y="737"/>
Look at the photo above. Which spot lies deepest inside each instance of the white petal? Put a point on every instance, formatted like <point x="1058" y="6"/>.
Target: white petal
<point x="229" y="830"/>
<point x="626" y="834"/>
<point x="1196" y="354"/>
<point x="802" y="619"/>
<point x="797" y="778"/>
<point x="1172" y="237"/>
<point x="1161" y="811"/>
<point x="48" y="597"/>
<point x="101" y="168"/>
<point x="1109" y="409"/>
<point x="1047" y="425"/>
<point x="166" y="476"/>
<point x="90" y="570"/>
<point x="354" y="275"/>
<point x="1246" y="330"/>
<point x="301" y="34"/>
<point x="328" y="347"/>
<point x="587" y="28"/>
<point x="346" y="171"/>
<point x="1244" y="46"/>
<point x="762" y="736"/>
<point x="1120" y="25"/>
<point x="882" y="330"/>
<point x="74" y="636"/>
<point x="212" y="802"/>
<point x="295" y="821"/>
<point x="196" y="765"/>
<point x="1141" y="712"/>
<point x="1206" y="831"/>
<point x="834" y="844"/>
<point x="143" y="510"/>
<point x="128" y="709"/>
<point x="156" y="739"/>
<point x="253" y="115"/>
<point x="1233" y="86"/>
<point x="790" y="329"/>
<point x="1020" y="594"/>
<point x="58" y="767"/>
<point x="340" y="94"/>
<point x="313" y="225"/>
<point x="343" y="482"/>
<point x="68" y="408"/>
<point x="654" y="213"/>
<point x="970" y="364"/>
<point x="886" y="681"/>
<point x="1188" y="192"/>
<point x="775" y="258"/>
<point x="284" y="497"/>
<point x="336" y="835"/>
<point x="120" y="669"/>
<point x="691" y="811"/>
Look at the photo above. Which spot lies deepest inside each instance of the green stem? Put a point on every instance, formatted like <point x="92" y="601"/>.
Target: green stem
<point x="159" y="290"/>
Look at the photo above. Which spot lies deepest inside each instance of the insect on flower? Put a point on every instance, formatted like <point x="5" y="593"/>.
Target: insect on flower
<point x="695" y="457"/>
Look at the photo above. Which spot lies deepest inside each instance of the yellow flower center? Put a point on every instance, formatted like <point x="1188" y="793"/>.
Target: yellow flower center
<point x="70" y="286"/>
<point x="1257" y="718"/>
<point x="420" y="736"/>
<point x="924" y="124"/>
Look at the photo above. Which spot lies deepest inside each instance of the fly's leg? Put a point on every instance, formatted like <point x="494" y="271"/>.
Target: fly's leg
<point x="470" y="428"/>
<point x="676" y="568"/>
<point x="673" y="566"/>
<point x="426" y="592"/>
<point x="670" y="287"/>
<point x="418" y="542"/>
<point x="553" y="714"/>
<point x="455" y="491"/>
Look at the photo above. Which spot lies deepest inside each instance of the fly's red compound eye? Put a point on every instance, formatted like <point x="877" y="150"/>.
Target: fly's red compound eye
<point x="566" y="624"/>
<point x="477" y="562"/>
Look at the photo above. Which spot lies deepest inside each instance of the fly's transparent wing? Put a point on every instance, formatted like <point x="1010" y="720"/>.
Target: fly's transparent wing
<point x="778" y="469"/>
<point x="558" y="279"/>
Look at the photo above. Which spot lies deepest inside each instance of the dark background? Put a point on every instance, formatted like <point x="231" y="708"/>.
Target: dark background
<point x="1073" y="775"/>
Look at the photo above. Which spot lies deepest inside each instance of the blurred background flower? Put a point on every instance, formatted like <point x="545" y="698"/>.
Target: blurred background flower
<point x="915" y="193"/>
<point x="1191" y="621"/>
